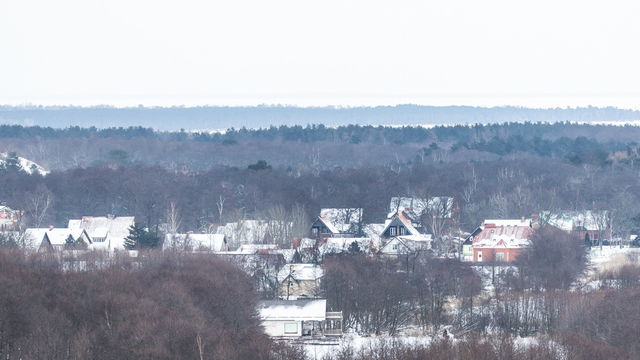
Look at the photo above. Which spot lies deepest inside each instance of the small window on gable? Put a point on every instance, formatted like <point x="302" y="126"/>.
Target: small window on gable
<point x="512" y="240"/>
<point x="494" y="239"/>
<point x="492" y="231"/>
<point x="395" y="246"/>
<point x="392" y="231"/>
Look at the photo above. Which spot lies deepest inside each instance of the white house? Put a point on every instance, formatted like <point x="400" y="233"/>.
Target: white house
<point x="287" y="318"/>
<point x="45" y="239"/>
<point x="106" y="232"/>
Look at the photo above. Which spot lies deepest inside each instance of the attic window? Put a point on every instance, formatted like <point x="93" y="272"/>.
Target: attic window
<point x="494" y="239"/>
<point x="492" y="231"/>
<point x="511" y="240"/>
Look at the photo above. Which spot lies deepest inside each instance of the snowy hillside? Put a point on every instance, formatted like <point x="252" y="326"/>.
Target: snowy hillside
<point x="27" y="165"/>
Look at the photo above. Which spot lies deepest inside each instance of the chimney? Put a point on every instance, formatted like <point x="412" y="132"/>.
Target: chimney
<point x="291" y="269"/>
<point x="50" y="227"/>
<point x="109" y="216"/>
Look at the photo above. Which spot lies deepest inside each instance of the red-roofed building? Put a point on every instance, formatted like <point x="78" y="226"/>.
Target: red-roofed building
<point x="501" y="240"/>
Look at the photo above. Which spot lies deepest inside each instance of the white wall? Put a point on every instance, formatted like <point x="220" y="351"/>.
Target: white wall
<point x="276" y="328"/>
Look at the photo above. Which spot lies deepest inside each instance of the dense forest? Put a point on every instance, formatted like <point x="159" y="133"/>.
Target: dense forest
<point x="317" y="147"/>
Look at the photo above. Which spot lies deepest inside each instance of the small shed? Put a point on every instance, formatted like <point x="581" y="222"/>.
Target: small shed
<point x="296" y="318"/>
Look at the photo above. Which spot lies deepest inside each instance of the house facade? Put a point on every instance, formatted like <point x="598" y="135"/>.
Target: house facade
<point x="299" y="281"/>
<point x="501" y="240"/>
<point x="297" y="318"/>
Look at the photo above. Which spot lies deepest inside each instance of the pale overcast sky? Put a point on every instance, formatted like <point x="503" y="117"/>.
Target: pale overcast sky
<point x="349" y="53"/>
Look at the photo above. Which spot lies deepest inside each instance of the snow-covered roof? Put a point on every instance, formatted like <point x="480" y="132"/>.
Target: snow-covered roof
<point x="118" y="229"/>
<point x="409" y="243"/>
<point x="373" y="231"/>
<point x="56" y="236"/>
<point x="256" y="248"/>
<point x="510" y="222"/>
<point x="404" y="221"/>
<point x="342" y="218"/>
<point x="505" y="236"/>
<point x="244" y="232"/>
<point x="338" y="245"/>
<point x="327" y="223"/>
<point x="300" y="272"/>
<point x="295" y="310"/>
<point x="577" y="220"/>
<point x="415" y="206"/>
<point x="34" y="236"/>
<point x="209" y="242"/>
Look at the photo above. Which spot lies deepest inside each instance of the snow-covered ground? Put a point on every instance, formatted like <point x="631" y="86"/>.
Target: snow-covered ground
<point x="27" y="165"/>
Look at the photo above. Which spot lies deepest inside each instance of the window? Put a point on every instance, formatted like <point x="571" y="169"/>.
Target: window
<point x="314" y="231"/>
<point x="392" y="231"/>
<point x="500" y="256"/>
<point x="402" y="231"/>
<point x="98" y="239"/>
<point x="479" y="256"/>
<point x="291" y="328"/>
<point x="511" y="240"/>
<point x="395" y="246"/>
<point x="494" y="239"/>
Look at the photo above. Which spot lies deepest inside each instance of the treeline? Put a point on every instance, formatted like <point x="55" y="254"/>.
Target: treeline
<point x="154" y="306"/>
<point x="500" y="189"/>
<point x="317" y="147"/>
<point x="74" y="132"/>
<point x="353" y="134"/>
<point x="223" y="117"/>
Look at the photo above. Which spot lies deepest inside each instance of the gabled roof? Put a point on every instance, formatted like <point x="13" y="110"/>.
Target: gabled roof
<point x="244" y="232"/>
<point x="342" y="218"/>
<point x="300" y="272"/>
<point x="117" y="229"/>
<point x="295" y="310"/>
<point x="327" y="223"/>
<point x="58" y="236"/>
<point x="210" y="242"/>
<point x="400" y="219"/>
<point x="55" y="236"/>
<point x="117" y="226"/>
<point x="409" y="243"/>
<point x="505" y="236"/>
<point x="415" y="206"/>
